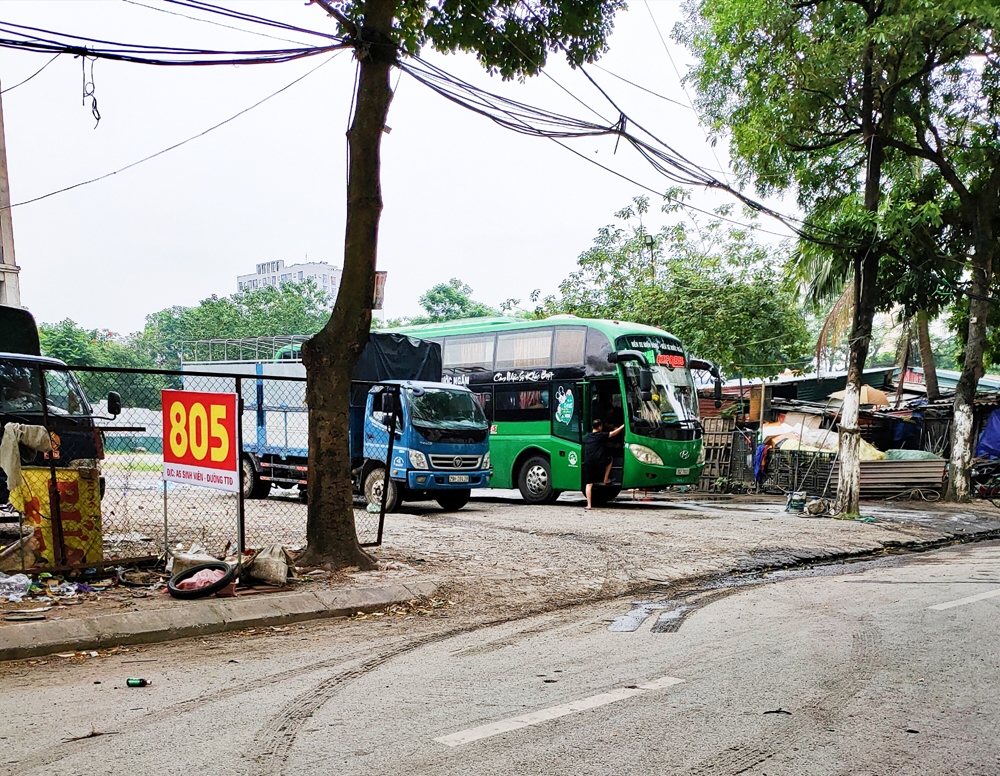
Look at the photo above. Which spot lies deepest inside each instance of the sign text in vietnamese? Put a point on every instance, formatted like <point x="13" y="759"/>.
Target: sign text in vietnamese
<point x="200" y="446"/>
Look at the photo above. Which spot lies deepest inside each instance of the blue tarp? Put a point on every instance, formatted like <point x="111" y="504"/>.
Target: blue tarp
<point x="989" y="441"/>
<point x="760" y="462"/>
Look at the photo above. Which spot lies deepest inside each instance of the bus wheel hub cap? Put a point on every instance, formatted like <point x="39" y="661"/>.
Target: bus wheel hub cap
<point x="537" y="479"/>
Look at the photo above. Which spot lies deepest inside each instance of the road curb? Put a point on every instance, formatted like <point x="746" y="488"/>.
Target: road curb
<point x="784" y="559"/>
<point x="199" y="618"/>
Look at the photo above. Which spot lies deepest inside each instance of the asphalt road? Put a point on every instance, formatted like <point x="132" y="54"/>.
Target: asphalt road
<point x="882" y="668"/>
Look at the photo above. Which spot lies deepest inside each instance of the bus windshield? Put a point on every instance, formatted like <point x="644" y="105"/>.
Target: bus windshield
<point x="674" y="401"/>
<point x="441" y="408"/>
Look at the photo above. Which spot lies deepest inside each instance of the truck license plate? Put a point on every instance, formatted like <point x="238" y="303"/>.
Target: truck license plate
<point x="682" y="472"/>
<point x="458" y="478"/>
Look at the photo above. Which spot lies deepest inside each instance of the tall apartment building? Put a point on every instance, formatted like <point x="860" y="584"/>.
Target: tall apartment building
<point x="273" y="273"/>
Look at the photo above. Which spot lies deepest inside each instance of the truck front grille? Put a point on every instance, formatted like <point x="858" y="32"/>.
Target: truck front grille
<point x="455" y="462"/>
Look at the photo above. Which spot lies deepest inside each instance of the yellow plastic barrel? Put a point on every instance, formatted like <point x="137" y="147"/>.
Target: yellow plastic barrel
<point x="79" y="508"/>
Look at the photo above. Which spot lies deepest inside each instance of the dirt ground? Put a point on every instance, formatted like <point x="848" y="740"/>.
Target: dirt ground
<point x="501" y="557"/>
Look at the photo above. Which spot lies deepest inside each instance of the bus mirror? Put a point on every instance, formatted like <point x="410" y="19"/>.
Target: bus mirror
<point x="718" y="392"/>
<point x="646" y="395"/>
<point x="645" y="381"/>
<point x="114" y="403"/>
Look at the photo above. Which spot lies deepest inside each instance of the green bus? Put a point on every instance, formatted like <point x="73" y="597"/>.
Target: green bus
<point x="542" y="382"/>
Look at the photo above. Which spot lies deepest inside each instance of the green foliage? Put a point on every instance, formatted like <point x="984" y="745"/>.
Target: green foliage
<point x="291" y="308"/>
<point x="77" y="346"/>
<point x="512" y="38"/>
<point x="92" y="347"/>
<point x="710" y="284"/>
<point x="785" y="82"/>
<point x="449" y="301"/>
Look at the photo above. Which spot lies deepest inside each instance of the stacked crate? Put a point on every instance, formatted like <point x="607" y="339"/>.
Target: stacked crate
<point x="718" y="446"/>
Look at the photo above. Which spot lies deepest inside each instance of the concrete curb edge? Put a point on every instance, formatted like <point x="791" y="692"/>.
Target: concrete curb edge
<point x="199" y="618"/>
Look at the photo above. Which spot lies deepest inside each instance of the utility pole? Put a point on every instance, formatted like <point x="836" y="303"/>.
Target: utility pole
<point x="10" y="292"/>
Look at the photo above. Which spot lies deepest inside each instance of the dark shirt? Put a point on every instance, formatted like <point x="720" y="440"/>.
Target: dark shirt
<point x="595" y="447"/>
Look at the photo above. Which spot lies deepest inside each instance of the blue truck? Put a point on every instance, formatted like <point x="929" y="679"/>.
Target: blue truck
<point x="440" y="448"/>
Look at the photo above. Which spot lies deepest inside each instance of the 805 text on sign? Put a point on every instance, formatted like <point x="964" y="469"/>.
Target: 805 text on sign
<point x="200" y="445"/>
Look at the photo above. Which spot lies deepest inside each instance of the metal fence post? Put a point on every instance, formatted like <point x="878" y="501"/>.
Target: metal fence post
<point x="166" y="535"/>
<point x="388" y="461"/>
<point x="240" y="506"/>
<point x="55" y="514"/>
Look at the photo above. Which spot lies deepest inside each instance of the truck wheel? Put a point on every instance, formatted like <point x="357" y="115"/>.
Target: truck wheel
<point x="452" y="500"/>
<point x="374" y="482"/>
<point x="535" y="481"/>
<point x="253" y="485"/>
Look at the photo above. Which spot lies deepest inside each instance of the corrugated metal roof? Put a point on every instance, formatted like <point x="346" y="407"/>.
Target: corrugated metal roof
<point x="948" y="378"/>
<point x="817" y="388"/>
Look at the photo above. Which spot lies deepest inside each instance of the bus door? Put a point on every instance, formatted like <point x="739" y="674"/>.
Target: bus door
<point x="568" y="412"/>
<point x="607" y="404"/>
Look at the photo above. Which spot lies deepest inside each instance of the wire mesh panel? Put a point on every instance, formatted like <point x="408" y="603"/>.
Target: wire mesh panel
<point x="275" y="439"/>
<point x="275" y="434"/>
<point x="140" y="512"/>
<point x="377" y="492"/>
<point x="793" y="470"/>
<point x="121" y="498"/>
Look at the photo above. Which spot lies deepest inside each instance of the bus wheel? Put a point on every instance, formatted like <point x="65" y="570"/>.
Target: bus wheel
<point x="451" y="500"/>
<point x="535" y="481"/>
<point x="374" y="482"/>
<point x="253" y="485"/>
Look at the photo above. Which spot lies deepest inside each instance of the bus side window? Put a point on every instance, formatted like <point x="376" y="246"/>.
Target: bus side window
<point x="486" y="402"/>
<point x="521" y="404"/>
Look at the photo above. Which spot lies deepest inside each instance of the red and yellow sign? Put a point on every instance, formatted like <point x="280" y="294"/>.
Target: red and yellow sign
<point x="200" y="446"/>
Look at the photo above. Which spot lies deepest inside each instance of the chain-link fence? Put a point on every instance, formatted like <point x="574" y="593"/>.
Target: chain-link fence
<point x="118" y="500"/>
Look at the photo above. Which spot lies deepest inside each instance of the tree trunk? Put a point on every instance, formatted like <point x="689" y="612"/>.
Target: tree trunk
<point x="962" y="431"/>
<point x="330" y="356"/>
<point x="849" y="454"/>
<point x="866" y="261"/>
<point x="927" y="356"/>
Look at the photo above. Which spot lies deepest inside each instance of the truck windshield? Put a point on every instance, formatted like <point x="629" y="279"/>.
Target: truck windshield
<point x="441" y="408"/>
<point x="19" y="390"/>
<point x="674" y="402"/>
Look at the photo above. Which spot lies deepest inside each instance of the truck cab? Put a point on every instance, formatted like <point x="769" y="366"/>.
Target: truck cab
<point x="440" y="446"/>
<point x="36" y="390"/>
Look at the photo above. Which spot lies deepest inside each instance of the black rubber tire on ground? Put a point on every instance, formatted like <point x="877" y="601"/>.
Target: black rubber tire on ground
<point x="253" y="485"/>
<point x="373" y="490"/>
<point x="602" y="495"/>
<point x="453" y="500"/>
<point x="535" y="481"/>
<point x="201" y="592"/>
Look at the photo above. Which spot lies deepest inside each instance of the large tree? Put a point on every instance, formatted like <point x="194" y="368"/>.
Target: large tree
<point x="511" y="37"/>
<point x="952" y="118"/>
<point x="811" y="95"/>
<point x="711" y="284"/>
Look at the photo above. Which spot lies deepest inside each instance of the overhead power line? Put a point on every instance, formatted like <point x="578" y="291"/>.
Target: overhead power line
<point x="39" y="70"/>
<point x="24" y="38"/>
<point x="181" y="143"/>
<point x="641" y="88"/>
<point x="539" y="122"/>
<point x="215" y="24"/>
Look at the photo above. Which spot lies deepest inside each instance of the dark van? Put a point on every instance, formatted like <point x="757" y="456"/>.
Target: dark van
<point x="75" y="439"/>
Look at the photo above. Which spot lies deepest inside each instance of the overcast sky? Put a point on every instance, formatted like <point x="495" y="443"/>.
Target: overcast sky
<point x="463" y="198"/>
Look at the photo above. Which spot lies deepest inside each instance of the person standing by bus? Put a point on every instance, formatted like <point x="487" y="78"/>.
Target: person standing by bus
<point x="597" y="461"/>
